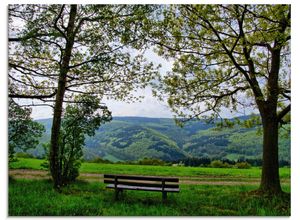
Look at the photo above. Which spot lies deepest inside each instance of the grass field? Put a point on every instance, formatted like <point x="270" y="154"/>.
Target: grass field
<point x="155" y="170"/>
<point x="36" y="197"/>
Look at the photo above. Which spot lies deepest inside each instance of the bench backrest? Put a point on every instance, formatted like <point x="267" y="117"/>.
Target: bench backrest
<point x="147" y="181"/>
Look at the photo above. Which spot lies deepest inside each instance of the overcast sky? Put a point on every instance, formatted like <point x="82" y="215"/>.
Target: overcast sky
<point x="147" y="107"/>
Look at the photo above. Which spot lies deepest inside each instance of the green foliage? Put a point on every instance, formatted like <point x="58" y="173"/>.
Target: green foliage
<point x="219" y="57"/>
<point x="243" y="165"/>
<point x="219" y="164"/>
<point x="101" y="41"/>
<point x="80" y="119"/>
<point x="23" y="132"/>
<point x="23" y="155"/>
<point x="151" y="161"/>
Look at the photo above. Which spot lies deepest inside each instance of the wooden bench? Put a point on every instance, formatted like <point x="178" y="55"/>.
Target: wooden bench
<point x="144" y="183"/>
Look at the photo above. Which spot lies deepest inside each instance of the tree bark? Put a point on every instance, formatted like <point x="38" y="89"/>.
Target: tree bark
<point x="55" y="165"/>
<point x="55" y="132"/>
<point x="270" y="182"/>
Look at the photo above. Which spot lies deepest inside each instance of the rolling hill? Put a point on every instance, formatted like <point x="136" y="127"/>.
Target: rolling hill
<point x="133" y="138"/>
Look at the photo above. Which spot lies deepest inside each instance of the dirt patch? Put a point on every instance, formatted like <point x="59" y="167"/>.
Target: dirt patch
<point x="41" y="174"/>
<point x="29" y="174"/>
<point x="228" y="183"/>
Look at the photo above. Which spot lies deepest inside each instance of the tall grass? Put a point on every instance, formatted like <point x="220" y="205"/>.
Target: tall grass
<point x="37" y="198"/>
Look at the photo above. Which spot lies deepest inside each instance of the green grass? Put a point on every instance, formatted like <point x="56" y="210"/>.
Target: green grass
<point x="254" y="172"/>
<point x="37" y="198"/>
<point x="27" y="163"/>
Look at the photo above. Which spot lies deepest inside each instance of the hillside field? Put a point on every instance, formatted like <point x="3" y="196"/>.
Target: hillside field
<point x="134" y="138"/>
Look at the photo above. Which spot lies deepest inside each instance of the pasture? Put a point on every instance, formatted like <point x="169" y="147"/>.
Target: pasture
<point x="203" y="192"/>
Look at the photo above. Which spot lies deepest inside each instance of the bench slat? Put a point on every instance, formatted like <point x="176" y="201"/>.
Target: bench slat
<point x="157" y="189"/>
<point x="153" y="178"/>
<point x="146" y="184"/>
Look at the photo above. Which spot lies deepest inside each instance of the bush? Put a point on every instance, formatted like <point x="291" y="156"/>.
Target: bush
<point x="45" y="165"/>
<point x="99" y="160"/>
<point x="23" y="155"/>
<point x="151" y="161"/>
<point x="219" y="164"/>
<point x="243" y="165"/>
<point x="216" y="164"/>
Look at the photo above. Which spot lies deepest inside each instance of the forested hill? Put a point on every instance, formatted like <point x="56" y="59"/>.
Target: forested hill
<point x="133" y="138"/>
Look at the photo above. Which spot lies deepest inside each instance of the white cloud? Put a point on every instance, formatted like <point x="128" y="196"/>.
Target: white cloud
<point x="148" y="107"/>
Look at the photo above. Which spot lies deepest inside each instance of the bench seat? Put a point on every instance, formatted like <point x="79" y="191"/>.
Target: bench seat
<point x="144" y="188"/>
<point x="144" y="183"/>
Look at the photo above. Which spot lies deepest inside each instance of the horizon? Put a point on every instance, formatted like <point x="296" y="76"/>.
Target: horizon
<point x="129" y="116"/>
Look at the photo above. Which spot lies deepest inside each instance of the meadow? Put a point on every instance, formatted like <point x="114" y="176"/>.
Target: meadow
<point x="36" y="197"/>
<point x="254" y="172"/>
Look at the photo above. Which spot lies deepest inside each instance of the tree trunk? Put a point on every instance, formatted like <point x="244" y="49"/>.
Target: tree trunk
<point x="270" y="182"/>
<point x="55" y="165"/>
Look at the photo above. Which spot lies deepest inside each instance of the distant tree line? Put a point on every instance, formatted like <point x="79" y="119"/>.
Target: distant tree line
<point x="216" y="162"/>
<point x="206" y="161"/>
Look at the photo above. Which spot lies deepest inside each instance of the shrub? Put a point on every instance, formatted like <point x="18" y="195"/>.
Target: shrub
<point x="216" y="164"/>
<point x="151" y="161"/>
<point x="219" y="164"/>
<point x="23" y="155"/>
<point x="99" y="160"/>
<point x="243" y="165"/>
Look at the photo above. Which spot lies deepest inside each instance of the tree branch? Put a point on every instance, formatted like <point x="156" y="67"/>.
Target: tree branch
<point x="23" y="96"/>
<point x="281" y="114"/>
<point x="56" y="21"/>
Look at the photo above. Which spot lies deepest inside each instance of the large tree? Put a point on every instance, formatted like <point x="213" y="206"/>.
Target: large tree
<point x="57" y="51"/>
<point x="229" y="56"/>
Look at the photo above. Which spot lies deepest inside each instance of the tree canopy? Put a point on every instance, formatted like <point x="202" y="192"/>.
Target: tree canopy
<point x="102" y="60"/>
<point x="224" y="57"/>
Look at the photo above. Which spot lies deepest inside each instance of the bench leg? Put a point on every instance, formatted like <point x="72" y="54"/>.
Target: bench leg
<point x="117" y="192"/>
<point x="164" y="196"/>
